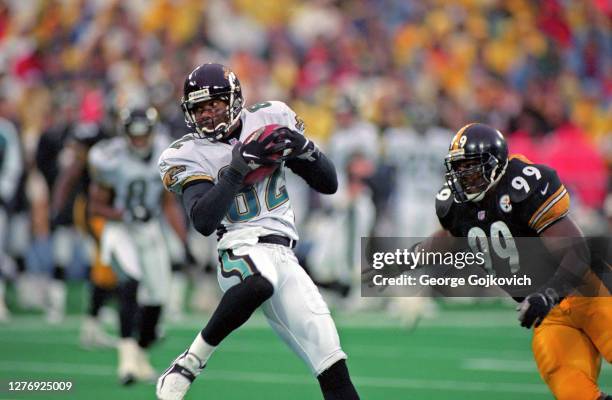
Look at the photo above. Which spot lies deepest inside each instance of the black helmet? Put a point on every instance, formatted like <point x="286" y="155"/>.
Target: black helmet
<point x="212" y="81"/>
<point x="476" y="160"/>
<point x="138" y="125"/>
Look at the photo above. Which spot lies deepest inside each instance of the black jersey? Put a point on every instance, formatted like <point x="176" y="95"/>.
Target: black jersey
<point x="527" y="199"/>
<point x="87" y="135"/>
<point x="506" y="223"/>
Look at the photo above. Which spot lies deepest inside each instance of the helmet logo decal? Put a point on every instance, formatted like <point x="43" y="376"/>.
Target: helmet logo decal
<point x="198" y="94"/>
<point x="505" y="204"/>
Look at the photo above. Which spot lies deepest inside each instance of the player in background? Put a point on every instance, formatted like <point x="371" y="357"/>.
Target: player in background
<point x="335" y="257"/>
<point x="353" y="135"/>
<point x="73" y="180"/>
<point x="488" y="196"/>
<point x="255" y="226"/>
<point x="415" y="151"/>
<point x="349" y="214"/>
<point x="126" y="192"/>
<point x="11" y="169"/>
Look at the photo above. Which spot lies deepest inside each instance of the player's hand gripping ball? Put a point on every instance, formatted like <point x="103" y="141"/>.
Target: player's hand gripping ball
<point x="267" y="150"/>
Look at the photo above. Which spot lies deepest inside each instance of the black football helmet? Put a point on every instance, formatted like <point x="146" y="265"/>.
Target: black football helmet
<point x="476" y="160"/>
<point x="207" y="82"/>
<point x="138" y="125"/>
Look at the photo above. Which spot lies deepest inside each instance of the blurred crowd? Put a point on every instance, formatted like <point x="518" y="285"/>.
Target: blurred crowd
<point x="381" y="84"/>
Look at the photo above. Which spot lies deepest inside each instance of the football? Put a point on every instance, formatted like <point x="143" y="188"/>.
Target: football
<point x="264" y="171"/>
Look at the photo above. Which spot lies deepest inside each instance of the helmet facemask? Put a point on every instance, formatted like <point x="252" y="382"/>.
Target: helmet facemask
<point x="217" y="127"/>
<point x="470" y="176"/>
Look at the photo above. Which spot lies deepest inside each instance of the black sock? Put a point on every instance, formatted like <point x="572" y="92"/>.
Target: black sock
<point x="59" y="273"/>
<point x="149" y="317"/>
<point x="336" y="383"/>
<point x="99" y="296"/>
<point x="236" y="307"/>
<point x="128" y="307"/>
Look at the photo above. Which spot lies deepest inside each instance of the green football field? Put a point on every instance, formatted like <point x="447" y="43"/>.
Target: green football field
<point x="466" y="353"/>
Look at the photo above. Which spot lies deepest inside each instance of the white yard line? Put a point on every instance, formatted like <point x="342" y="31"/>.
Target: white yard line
<point x="488" y="364"/>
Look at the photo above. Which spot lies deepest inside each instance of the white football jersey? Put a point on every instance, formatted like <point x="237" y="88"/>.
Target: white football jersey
<point x="135" y="181"/>
<point x="11" y="162"/>
<point x="419" y="159"/>
<point x="261" y="209"/>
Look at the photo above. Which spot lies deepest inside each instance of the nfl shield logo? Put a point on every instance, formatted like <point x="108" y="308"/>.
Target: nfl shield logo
<point x="481" y="215"/>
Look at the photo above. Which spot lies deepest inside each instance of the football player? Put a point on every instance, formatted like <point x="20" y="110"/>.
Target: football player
<point x="126" y="192"/>
<point x="255" y="226"/>
<point x="11" y="168"/>
<point x="74" y="177"/>
<point x="491" y="195"/>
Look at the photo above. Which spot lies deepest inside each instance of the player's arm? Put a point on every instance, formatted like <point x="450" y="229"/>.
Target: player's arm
<point x="73" y="161"/>
<point x="440" y="241"/>
<point x="307" y="161"/>
<point x="565" y="241"/>
<point x="207" y="203"/>
<point x="100" y="202"/>
<point x="544" y="209"/>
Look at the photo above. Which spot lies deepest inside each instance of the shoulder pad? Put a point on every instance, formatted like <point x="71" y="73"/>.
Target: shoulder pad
<point x="278" y="112"/>
<point x="177" y="165"/>
<point x="525" y="179"/>
<point x="106" y="150"/>
<point x="539" y="194"/>
<point x="183" y="144"/>
<point x="103" y="158"/>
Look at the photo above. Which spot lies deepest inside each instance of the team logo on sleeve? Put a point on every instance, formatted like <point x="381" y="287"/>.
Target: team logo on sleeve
<point x="505" y="204"/>
<point x="171" y="176"/>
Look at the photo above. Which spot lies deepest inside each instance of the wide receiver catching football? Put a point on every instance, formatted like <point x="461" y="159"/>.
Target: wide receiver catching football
<point x="231" y="174"/>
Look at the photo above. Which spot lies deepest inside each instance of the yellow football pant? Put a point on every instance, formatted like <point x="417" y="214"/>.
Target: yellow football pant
<point x="101" y="275"/>
<point x="569" y="344"/>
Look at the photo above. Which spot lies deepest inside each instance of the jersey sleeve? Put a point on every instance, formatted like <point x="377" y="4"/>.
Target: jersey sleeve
<point x="444" y="204"/>
<point x="177" y="168"/>
<point x="287" y="117"/>
<point x="545" y="200"/>
<point x="100" y="164"/>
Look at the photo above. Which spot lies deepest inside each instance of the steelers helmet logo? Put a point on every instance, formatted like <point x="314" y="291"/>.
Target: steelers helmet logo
<point x="504" y="203"/>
